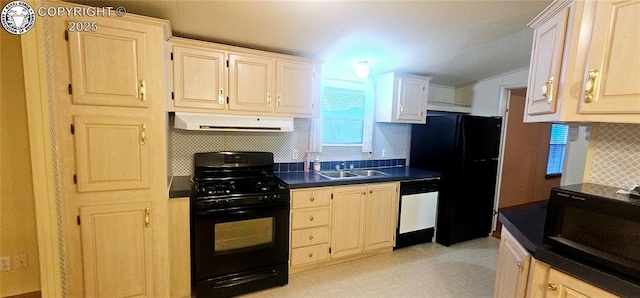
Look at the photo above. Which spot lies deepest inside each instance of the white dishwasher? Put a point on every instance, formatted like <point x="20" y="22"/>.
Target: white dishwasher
<point x="417" y="212"/>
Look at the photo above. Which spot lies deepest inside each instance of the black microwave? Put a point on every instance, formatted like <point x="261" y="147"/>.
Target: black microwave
<point x="592" y="222"/>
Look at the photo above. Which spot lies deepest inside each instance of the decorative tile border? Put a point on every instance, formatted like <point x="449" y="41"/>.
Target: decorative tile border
<point x="331" y="165"/>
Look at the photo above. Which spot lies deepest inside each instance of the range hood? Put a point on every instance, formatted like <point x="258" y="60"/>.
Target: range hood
<point x="197" y="121"/>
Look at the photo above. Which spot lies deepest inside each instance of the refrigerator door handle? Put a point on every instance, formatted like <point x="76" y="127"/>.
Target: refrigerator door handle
<point x="464" y="141"/>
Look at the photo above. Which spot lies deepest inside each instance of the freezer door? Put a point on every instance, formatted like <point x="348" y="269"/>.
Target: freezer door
<point x="479" y="138"/>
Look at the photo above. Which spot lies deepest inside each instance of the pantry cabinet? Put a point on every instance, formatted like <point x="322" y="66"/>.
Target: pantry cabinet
<point x="213" y="78"/>
<point x="584" y="63"/>
<point x="109" y="66"/>
<point x="401" y="98"/>
<point x="108" y="95"/>
<point x="117" y="247"/>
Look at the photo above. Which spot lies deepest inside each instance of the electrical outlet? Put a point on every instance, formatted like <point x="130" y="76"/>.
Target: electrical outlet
<point x="384" y="152"/>
<point x="20" y="261"/>
<point x="5" y="263"/>
<point x="294" y="154"/>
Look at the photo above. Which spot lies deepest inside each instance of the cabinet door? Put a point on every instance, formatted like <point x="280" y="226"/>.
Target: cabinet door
<point x="564" y="285"/>
<point x="612" y="71"/>
<point x="198" y="78"/>
<point x="412" y="100"/>
<point x="111" y="152"/>
<point x="546" y="62"/>
<point x="294" y="88"/>
<point x="513" y="267"/>
<point x="109" y="67"/>
<point x="347" y="220"/>
<point x="251" y="83"/>
<point x="382" y="211"/>
<point x="117" y="250"/>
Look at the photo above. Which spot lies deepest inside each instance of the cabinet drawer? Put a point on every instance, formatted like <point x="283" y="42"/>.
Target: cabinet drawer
<point x="315" y="197"/>
<point x="309" y="218"/>
<point x="311" y="254"/>
<point x="311" y="236"/>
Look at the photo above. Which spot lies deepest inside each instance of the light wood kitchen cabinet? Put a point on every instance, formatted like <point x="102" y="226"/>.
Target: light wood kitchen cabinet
<point x="109" y="66"/>
<point x="296" y="88"/>
<point x="584" y="63"/>
<point x="401" y="98"/>
<point x="513" y="267"/>
<point x="348" y="220"/>
<point x="612" y="69"/>
<point x="111" y="152"/>
<point x="127" y="230"/>
<point x="562" y="285"/>
<point x="109" y="93"/>
<point x="251" y="81"/>
<point x="213" y="78"/>
<point x="198" y="76"/>
<point x="382" y="215"/>
<point x="310" y="217"/>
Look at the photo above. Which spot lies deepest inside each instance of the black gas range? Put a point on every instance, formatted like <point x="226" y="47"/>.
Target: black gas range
<point x="239" y="224"/>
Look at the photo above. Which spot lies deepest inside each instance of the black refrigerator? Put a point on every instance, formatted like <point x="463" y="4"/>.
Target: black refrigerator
<point x="464" y="149"/>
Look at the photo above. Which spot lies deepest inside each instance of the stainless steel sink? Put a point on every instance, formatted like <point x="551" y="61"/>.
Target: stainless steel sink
<point x="370" y="173"/>
<point x="333" y="175"/>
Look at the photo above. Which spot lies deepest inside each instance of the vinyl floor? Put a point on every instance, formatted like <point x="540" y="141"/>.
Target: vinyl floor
<point x="426" y="270"/>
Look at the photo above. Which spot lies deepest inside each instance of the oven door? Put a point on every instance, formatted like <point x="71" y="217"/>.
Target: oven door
<point x="232" y="241"/>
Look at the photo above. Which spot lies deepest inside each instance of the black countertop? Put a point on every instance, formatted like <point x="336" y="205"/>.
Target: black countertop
<point x="181" y="185"/>
<point x="526" y="223"/>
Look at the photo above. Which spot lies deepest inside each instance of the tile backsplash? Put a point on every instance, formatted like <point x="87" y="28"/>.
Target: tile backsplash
<point x="392" y="137"/>
<point x="616" y="155"/>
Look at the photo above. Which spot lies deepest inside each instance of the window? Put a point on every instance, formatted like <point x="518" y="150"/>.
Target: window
<point x="347" y="114"/>
<point x="557" y="146"/>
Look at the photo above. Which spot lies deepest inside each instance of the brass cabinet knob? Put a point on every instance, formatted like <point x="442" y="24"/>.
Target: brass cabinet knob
<point x="371" y="191"/>
<point x="311" y="255"/>
<point x="552" y="287"/>
<point x="520" y="265"/>
<point x="311" y="218"/>
<point x="312" y="199"/>
<point x="310" y="237"/>
<point x="364" y="193"/>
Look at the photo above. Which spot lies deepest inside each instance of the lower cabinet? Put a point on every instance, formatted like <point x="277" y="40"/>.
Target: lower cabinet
<point x="513" y="267"/>
<point x="520" y="275"/>
<point x="339" y="223"/>
<point x="117" y="243"/>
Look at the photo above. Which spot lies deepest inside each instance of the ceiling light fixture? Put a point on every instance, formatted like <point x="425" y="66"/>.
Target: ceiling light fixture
<point x="362" y="70"/>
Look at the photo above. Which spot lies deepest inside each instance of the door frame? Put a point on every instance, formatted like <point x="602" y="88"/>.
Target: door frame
<point x="505" y="98"/>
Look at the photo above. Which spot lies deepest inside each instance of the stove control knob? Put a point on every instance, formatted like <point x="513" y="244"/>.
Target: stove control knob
<point x="216" y="204"/>
<point x="264" y="199"/>
<point x="227" y="203"/>
<point x="275" y="198"/>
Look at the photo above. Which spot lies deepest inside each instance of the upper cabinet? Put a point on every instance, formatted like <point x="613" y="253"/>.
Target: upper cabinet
<point x="584" y="63"/>
<point x="109" y="67"/>
<point x="401" y="98"/>
<point x="213" y="78"/>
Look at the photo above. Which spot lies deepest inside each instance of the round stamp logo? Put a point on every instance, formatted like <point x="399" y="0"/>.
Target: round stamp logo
<point x="17" y="17"/>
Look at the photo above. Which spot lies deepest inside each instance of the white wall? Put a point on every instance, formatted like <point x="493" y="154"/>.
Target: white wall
<point x="485" y="95"/>
<point x="575" y="156"/>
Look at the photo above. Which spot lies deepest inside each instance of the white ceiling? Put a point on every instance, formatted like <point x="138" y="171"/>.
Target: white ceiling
<point x="455" y="42"/>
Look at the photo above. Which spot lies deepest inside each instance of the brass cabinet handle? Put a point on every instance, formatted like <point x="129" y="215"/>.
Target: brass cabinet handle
<point x="311" y="218"/>
<point x="552" y="287"/>
<point x="590" y="86"/>
<point x="312" y="199"/>
<point x="147" y="220"/>
<point x="310" y="237"/>
<point x="142" y="90"/>
<point x="268" y="99"/>
<point x="547" y="89"/>
<point x="279" y="100"/>
<point x="310" y="255"/>
<point x="401" y="109"/>
<point x="221" y="96"/>
<point x="143" y="133"/>
<point x="520" y="265"/>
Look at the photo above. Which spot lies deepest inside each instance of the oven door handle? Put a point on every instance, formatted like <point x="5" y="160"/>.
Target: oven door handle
<point x="243" y="210"/>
